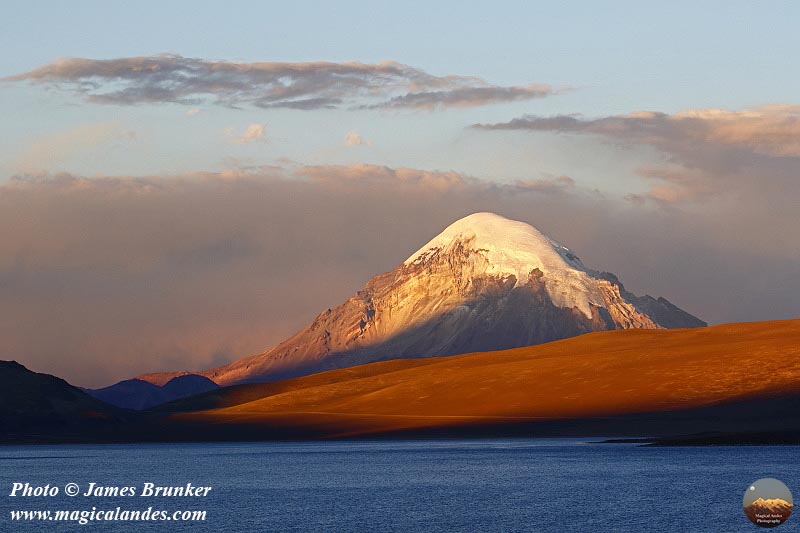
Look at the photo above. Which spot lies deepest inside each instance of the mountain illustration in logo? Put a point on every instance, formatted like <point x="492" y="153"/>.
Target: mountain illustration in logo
<point x="768" y="503"/>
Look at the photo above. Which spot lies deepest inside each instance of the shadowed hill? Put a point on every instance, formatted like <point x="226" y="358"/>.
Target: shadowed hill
<point x="42" y="407"/>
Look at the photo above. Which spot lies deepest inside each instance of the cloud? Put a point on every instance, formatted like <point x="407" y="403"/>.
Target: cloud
<point x="55" y="149"/>
<point x="709" y="152"/>
<point x="400" y="179"/>
<point x="675" y="185"/>
<point x="466" y="97"/>
<point x="767" y="130"/>
<point x="253" y="133"/>
<point x="171" y="78"/>
<point x="192" y="111"/>
<point x="354" y="138"/>
<point x="556" y="186"/>
<point x="104" y="278"/>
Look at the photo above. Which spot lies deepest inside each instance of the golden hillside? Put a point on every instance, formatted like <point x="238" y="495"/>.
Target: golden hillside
<point x="602" y="374"/>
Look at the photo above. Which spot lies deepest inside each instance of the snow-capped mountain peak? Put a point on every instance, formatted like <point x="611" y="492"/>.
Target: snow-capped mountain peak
<point x="484" y="283"/>
<point x="517" y="249"/>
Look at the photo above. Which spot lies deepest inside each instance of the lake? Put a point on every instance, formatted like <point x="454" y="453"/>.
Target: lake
<point x="466" y="485"/>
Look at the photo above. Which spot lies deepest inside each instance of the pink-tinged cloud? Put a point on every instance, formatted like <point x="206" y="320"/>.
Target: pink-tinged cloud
<point x="251" y="134"/>
<point x="709" y="152"/>
<point x="354" y="138"/>
<point x="55" y="150"/>
<point x="291" y="85"/>
<point x="767" y="130"/>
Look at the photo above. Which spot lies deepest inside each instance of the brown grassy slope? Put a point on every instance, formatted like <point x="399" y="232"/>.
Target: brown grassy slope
<point x="595" y="375"/>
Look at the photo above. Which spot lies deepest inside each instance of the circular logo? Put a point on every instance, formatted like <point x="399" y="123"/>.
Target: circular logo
<point x="767" y="502"/>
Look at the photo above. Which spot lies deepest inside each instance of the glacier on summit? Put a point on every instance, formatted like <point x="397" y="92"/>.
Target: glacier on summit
<point x="515" y="248"/>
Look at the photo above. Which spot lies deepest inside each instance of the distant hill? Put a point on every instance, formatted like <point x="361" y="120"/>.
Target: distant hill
<point x="138" y="394"/>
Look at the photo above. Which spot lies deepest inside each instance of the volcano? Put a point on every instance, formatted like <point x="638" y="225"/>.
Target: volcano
<point x="484" y="283"/>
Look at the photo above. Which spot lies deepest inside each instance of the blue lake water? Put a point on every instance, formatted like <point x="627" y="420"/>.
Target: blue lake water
<point x="464" y="485"/>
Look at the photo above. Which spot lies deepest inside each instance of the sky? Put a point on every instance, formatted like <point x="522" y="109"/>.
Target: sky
<point x="186" y="183"/>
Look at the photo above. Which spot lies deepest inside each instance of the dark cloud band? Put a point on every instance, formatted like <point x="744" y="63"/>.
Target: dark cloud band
<point x="292" y="85"/>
